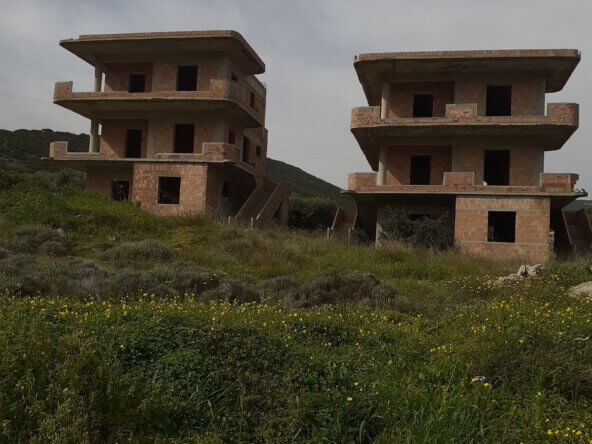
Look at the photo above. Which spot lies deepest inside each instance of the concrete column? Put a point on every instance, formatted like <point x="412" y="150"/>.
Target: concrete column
<point x="381" y="176"/>
<point x="93" y="146"/>
<point x="385" y="99"/>
<point x="98" y="77"/>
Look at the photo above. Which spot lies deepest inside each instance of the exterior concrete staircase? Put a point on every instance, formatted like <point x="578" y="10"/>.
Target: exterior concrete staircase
<point x="343" y="222"/>
<point x="262" y="205"/>
<point x="579" y="230"/>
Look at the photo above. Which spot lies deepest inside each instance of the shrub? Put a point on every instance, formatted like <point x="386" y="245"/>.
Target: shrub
<point x="38" y="238"/>
<point x="424" y="232"/>
<point x="310" y="213"/>
<point x="331" y="288"/>
<point x="138" y="251"/>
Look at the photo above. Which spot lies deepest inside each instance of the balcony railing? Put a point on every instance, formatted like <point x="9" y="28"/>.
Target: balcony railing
<point x="466" y="114"/>
<point x="464" y="182"/>
<point x="220" y="89"/>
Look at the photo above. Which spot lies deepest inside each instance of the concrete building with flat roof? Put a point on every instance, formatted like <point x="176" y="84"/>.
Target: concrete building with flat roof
<point x="463" y="134"/>
<point x="177" y="124"/>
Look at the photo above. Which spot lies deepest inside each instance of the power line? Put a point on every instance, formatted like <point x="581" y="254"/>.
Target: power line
<point x="313" y="144"/>
<point x="25" y="84"/>
<point x="26" y="99"/>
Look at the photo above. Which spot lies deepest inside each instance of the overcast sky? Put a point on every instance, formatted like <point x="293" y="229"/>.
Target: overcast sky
<point x="308" y="48"/>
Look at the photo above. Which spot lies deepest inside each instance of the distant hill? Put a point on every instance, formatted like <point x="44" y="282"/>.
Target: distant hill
<point x="304" y="183"/>
<point x="22" y="150"/>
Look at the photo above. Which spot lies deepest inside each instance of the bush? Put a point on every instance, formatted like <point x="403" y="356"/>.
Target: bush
<point x="138" y="251"/>
<point x="423" y="232"/>
<point x="38" y="239"/>
<point x="310" y="213"/>
<point x="331" y="288"/>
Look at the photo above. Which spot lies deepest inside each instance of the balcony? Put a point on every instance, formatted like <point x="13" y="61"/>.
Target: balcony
<point x="224" y="95"/>
<point x="460" y="182"/>
<point x="211" y="152"/>
<point x="461" y="120"/>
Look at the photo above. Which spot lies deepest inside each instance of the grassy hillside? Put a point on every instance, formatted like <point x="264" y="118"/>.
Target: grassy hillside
<point x="116" y="325"/>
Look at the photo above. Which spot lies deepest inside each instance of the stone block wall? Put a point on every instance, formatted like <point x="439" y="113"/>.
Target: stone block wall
<point x="532" y="227"/>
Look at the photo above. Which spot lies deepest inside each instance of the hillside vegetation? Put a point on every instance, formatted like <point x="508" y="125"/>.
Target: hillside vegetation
<point x="116" y="325"/>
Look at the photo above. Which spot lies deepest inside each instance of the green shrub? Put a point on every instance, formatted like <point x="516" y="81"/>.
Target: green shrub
<point x="145" y="250"/>
<point x="424" y="232"/>
<point x="310" y="213"/>
<point x="38" y="239"/>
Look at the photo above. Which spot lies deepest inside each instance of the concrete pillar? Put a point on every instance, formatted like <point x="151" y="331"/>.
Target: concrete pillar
<point x="98" y="77"/>
<point x="385" y="99"/>
<point x="93" y="146"/>
<point x="381" y="176"/>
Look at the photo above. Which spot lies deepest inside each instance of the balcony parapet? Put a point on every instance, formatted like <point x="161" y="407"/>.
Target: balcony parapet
<point x="220" y="89"/>
<point x="211" y="152"/>
<point x="466" y="114"/>
<point x="461" y="182"/>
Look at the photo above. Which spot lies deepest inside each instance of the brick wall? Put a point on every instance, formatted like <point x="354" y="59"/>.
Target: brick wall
<point x="100" y="178"/>
<point x="528" y="94"/>
<point x="526" y="163"/>
<point x="192" y="198"/>
<point x="114" y="134"/>
<point x="401" y="101"/>
<point x="398" y="163"/>
<point x="117" y="75"/>
<point x="532" y="227"/>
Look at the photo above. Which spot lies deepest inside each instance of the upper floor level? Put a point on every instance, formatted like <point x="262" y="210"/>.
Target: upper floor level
<point x="454" y="95"/>
<point x="180" y="69"/>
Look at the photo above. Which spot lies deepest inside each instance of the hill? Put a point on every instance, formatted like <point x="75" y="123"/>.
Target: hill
<point x="117" y="325"/>
<point x="22" y="150"/>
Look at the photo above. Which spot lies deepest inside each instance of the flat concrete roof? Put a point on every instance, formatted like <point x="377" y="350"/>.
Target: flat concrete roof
<point x="146" y="46"/>
<point x="556" y="65"/>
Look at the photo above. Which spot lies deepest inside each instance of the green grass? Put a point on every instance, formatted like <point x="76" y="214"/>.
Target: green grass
<point x="149" y="369"/>
<point x="193" y="367"/>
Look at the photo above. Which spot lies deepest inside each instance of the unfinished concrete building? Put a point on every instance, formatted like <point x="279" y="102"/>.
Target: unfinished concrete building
<point x="177" y="124"/>
<point x="464" y="134"/>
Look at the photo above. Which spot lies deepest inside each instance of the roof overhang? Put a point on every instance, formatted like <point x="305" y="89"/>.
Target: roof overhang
<point x="98" y="108"/>
<point x="556" y="65"/>
<point x="145" y="46"/>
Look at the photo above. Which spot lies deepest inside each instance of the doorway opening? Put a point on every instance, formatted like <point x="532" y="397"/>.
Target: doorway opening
<point x="496" y="169"/>
<point x="184" y="133"/>
<point x="133" y="143"/>
<point x="423" y="105"/>
<point x="499" y="100"/>
<point x="420" y="170"/>
<point x="187" y="78"/>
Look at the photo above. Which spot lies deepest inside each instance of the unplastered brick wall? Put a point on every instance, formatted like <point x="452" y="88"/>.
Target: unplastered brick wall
<point x="101" y="178"/>
<point x="401" y="100"/>
<point x="528" y="94"/>
<point x="164" y="77"/>
<point x="162" y="135"/>
<point x="526" y="163"/>
<point x="114" y="135"/>
<point x="117" y="75"/>
<point x="398" y="163"/>
<point x="532" y="227"/>
<point x="192" y="197"/>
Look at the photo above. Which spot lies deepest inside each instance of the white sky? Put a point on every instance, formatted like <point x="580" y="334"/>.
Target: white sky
<point x="308" y="47"/>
